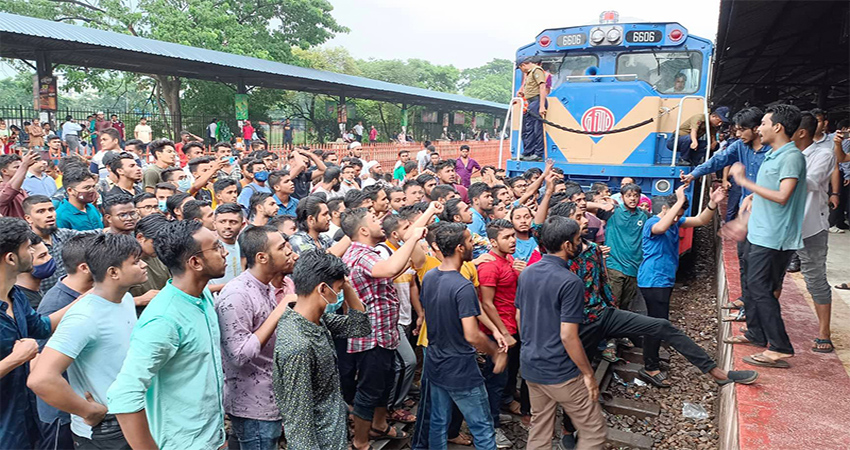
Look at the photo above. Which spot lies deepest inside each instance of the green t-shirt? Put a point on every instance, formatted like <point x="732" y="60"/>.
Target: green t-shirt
<point x="399" y="173"/>
<point x="153" y="176"/>
<point x="623" y="235"/>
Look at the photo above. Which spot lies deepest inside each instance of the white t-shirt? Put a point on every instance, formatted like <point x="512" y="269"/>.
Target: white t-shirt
<point x="234" y="263"/>
<point x="332" y="229"/>
<point x="358" y="129"/>
<point x="71" y="128"/>
<point x="211" y="129"/>
<point x="402" y="287"/>
<point x="96" y="334"/>
<point x="423" y="158"/>
<point x="143" y="133"/>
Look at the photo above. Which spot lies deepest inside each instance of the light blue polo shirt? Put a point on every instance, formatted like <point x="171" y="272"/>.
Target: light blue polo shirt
<point x="773" y="225"/>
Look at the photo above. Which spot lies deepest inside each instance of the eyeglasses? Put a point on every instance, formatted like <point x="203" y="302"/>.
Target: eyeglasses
<point x="128" y="215"/>
<point x="217" y="246"/>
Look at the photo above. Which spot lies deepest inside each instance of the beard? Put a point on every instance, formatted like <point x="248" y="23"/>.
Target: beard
<point x="336" y="187"/>
<point x="48" y="230"/>
<point x="467" y="254"/>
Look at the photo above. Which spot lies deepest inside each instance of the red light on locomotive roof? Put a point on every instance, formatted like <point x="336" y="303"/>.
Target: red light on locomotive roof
<point x="676" y="35"/>
<point x="544" y="41"/>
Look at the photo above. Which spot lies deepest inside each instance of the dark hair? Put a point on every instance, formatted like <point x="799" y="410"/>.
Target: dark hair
<point x="477" y="190"/>
<point x="408" y="212"/>
<point x="149" y="226"/>
<point x="139" y="198"/>
<point x="389" y="190"/>
<point x="331" y="173"/>
<point x="514" y="180"/>
<point x="166" y="174"/>
<point x="276" y="176"/>
<point x="34" y="200"/>
<point x="464" y="147"/>
<point x="277" y="221"/>
<point x="74" y="251"/>
<point x="195" y="162"/>
<point x="252" y="241"/>
<point x="116" y="161"/>
<point x="486" y="168"/>
<point x="354" y="198"/>
<point x="246" y="162"/>
<point x="557" y="230"/>
<point x="448" y="236"/>
<point x="315" y="267"/>
<point x="222" y="144"/>
<point x="229" y="208"/>
<point x="110" y="250"/>
<point x="111" y="132"/>
<point x="333" y="204"/>
<point x="573" y="190"/>
<point x="409" y="184"/>
<point x="532" y="172"/>
<point x="820" y="112"/>
<point x="7" y="160"/>
<point x="174" y="202"/>
<point x="495" y="227"/>
<point x="786" y="115"/>
<point x="135" y="143"/>
<point x="76" y="175"/>
<point x="563" y="209"/>
<point x="373" y="191"/>
<point x="165" y="186"/>
<point x="13" y="233"/>
<point x="309" y="206"/>
<point x="253" y="162"/>
<point x="257" y="199"/>
<point x="808" y="122"/>
<point x="391" y="223"/>
<point x="66" y="162"/>
<point x="158" y="146"/>
<point x="629" y="188"/>
<point x="191" y="145"/>
<point x="444" y="164"/>
<point x="450" y="210"/>
<point x="351" y="219"/>
<point x="118" y="199"/>
<point x="425" y="178"/>
<point x="176" y="243"/>
<point x="401" y="152"/>
<point x="441" y="191"/>
<point x="517" y="208"/>
<point x="224" y="183"/>
<point x="410" y="166"/>
<point x="748" y="117"/>
<point x="671" y="200"/>
<point x="597" y="187"/>
<point x="192" y="210"/>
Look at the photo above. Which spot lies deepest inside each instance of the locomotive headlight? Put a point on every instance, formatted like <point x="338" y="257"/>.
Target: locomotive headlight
<point x="597" y="36"/>
<point x="613" y="35"/>
<point x="662" y="186"/>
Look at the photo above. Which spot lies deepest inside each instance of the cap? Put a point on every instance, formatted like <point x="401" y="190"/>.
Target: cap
<point x="723" y="113"/>
<point x="100" y="113"/>
<point x="354" y="145"/>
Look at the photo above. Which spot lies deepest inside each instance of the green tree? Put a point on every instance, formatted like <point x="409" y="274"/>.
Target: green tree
<point x="267" y="30"/>
<point x="492" y="81"/>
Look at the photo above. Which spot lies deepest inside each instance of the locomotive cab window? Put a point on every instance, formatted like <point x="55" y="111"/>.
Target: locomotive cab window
<point x="666" y="72"/>
<point x="569" y="65"/>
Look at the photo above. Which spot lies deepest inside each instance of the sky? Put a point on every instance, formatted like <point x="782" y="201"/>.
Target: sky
<point x="469" y="33"/>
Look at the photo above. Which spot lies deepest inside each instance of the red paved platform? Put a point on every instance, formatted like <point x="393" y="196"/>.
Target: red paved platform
<point x="804" y="407"/>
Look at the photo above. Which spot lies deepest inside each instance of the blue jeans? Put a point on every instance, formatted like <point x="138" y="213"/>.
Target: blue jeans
<point x="422" y="428"/>
<point x="685" y="152"/>
<point x="733" y="202"/>
<point x="475" y="407"/>
<point x="253" y="434"/>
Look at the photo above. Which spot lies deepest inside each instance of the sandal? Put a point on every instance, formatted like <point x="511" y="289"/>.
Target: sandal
<point x="739" y="376"/>
<point x="656" y="380"/>
<point x="820" y="342"/>
<point x="732" y="305"/>
<point x="403" y="416"/>
<point x="610" y="354"/>
<point x="759" y="359"/>
<point x="461" y="439"/>
<point x="399" y="435"/>
<point x="843" y="287"/>
<point x="740" y="340"/>
<point x="734" y="318"/>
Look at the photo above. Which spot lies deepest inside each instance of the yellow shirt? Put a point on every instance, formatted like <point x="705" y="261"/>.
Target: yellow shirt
<point x="468" y="271"/>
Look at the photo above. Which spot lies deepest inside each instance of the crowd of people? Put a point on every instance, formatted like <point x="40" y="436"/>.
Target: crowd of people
<point x="146" y="298"/>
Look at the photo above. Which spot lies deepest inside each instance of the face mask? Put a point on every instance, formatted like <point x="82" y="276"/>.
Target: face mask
<point x="162" y="206"/>
<point x="333" y="307"/>
<point x="261" y="176"/>
<point x="184" y="185"/>
<point x="87" y="197"/>
<point x="45" y="270"/>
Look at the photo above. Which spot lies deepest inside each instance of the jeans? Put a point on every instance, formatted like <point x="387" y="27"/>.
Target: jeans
<point x="658" y="306"/>
<point x="253" y="434"/>
<point x="513" y="374"/>
<point x="533" y="139"/>
<point x="474" y="406"/>
<point x="495" y="385"/>
<point x="684" y="152"/>
<point x="733" y="202"/>
<point x="765" y="273"/>
<point x="374" y="381"/>
<point x="73" y="142"/>
<point x="405" y="368"/>
<point x="55" y="436"/>
<point x="106" y="435"/>
<point x="813" y="267"/>
<point x="422" y="427"/>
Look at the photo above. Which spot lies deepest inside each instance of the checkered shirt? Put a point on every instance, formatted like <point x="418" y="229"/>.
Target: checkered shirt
<point x="379" y="296"/>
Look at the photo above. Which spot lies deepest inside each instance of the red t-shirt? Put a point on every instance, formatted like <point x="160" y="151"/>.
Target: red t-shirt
<point x="501" y="275"/>
<point x="247" y="132"/>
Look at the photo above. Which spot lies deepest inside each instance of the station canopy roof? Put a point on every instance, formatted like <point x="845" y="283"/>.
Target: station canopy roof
<point x="24" y="37"/>
<point x="783" y="51"/>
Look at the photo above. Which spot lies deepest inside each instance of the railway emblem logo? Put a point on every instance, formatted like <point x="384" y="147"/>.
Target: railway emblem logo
<point x="597" y="119"/>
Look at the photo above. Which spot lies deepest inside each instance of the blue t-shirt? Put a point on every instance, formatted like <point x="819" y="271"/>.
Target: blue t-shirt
<point x="450" y="361"/>
<point x="96" y="334"/>
<point x="548" y="294"/>
<point x="660" y="255"/>
<point x="524" y="248"/>
<point x="623" y="235"/>
<point x="250" y="189"/>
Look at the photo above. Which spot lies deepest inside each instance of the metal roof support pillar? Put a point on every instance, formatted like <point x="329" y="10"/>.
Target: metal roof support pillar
<point x="823" y="92"/>
<point x="46" y="85"/>
<point x="404" y="118"/>
<point x="342" y="115"/>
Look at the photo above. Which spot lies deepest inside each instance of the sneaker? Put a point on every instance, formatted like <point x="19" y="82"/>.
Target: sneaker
<point x="836" y="230"/>
<point x="531" y="158"/>
<point x="502" y="441"/>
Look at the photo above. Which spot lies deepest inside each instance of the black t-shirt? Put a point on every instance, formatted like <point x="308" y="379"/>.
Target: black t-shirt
<point x="303" y="182"/>
<point x="34" y="297"/>
<point x="117" y="190"/>
<point x="448" y="297"/>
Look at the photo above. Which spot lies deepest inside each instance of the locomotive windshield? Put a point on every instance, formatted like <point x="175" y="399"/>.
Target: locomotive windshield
<point x="666" y="72"/>
<point x="563" y="66"/>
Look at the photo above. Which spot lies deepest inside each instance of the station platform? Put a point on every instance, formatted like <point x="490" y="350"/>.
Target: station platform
<point x="808" y="405"/>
